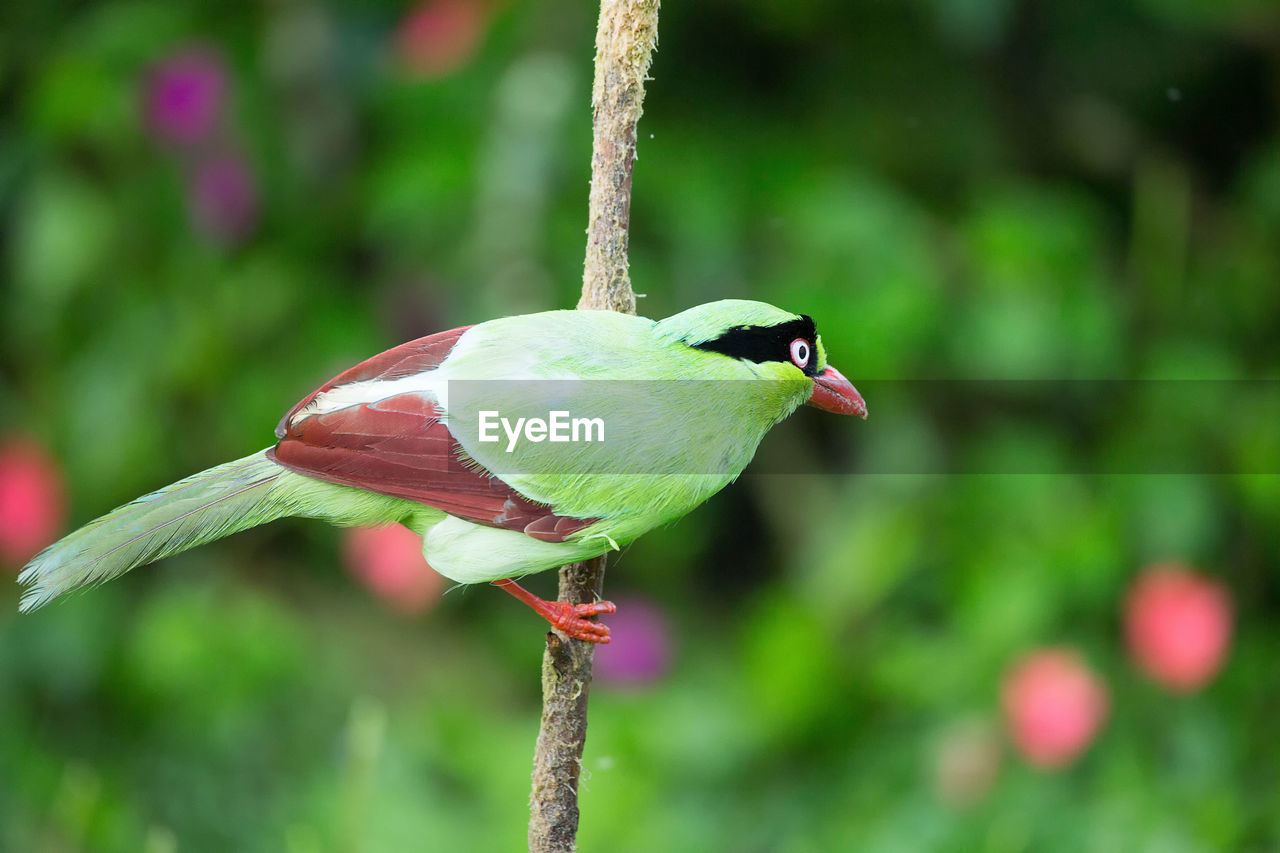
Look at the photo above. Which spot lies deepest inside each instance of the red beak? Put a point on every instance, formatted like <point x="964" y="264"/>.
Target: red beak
<point x="833" y="393"/>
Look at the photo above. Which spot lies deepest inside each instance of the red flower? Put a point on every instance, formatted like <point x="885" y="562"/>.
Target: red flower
<point x="1054" y="706"/>
<point x="439" y="36"/>
<point x="1178" y="626"/>
<point x="32" y="508"/>
<point x="388" y="560"/>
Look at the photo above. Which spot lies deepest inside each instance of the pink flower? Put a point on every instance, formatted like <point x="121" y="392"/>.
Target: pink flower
<point x="388" y="560"/>
<point x="223" y="198"/>
<point x="1053" y="705"/>
<point x="439" y="36"/>
<point x="32" y="508"/>
<point x="184" y="96"/>
<point x="639" y="650"/>
<point x="1178" y="625"/>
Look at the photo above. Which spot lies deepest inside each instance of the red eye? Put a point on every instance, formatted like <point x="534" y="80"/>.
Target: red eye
<point x="800" y="353"/>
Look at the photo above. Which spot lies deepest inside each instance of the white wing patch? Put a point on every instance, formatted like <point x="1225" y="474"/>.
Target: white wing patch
<point x="430" y="383"/>
<point x="473" y="357"/>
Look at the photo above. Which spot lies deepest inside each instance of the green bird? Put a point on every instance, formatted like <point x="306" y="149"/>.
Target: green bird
<point x="513" y="446"/>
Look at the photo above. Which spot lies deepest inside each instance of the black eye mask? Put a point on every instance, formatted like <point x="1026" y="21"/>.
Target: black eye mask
<point x="767" y="343"/>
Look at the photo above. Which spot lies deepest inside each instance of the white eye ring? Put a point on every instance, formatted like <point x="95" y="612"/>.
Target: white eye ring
<point x="800" y="353"/>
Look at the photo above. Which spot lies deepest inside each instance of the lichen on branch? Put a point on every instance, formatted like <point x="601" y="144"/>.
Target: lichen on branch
<point x="625" y="40"/>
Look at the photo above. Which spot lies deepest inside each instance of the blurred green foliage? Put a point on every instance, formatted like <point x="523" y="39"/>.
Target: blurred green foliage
<point x="994" y="189"/>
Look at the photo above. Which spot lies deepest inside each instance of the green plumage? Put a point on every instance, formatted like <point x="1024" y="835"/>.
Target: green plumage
<point x="199" y="509"/>
<point x="203" y="507"/>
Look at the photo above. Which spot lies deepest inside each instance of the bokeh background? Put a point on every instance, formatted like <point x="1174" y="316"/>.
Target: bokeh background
<point x="209" y="208"/>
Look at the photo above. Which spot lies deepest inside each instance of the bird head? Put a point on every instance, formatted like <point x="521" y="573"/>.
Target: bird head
<point x="772" y="343"/>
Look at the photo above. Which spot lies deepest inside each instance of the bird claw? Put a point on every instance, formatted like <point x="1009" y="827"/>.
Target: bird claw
<point x="573" y="620"/>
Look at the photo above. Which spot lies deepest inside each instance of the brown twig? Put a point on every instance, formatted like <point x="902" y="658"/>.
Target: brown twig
<point x="625" y="40"/>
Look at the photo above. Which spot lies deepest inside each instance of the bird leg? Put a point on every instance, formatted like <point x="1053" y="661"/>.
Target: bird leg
<point x="570" y="619"/>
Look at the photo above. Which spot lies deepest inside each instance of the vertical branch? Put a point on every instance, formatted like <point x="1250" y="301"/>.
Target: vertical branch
<point x="626" y="36"/>
<point x="625" y="40"/>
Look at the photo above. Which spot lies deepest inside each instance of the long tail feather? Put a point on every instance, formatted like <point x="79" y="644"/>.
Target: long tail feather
<point x="199" y="509"/>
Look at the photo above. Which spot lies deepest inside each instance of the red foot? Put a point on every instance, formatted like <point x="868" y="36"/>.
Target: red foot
<point x="572" y="620"/>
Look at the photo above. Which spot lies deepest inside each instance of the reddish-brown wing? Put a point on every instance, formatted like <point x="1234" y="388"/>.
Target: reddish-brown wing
<point x="396" y="363"/>
<point x="399" y="446"/>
